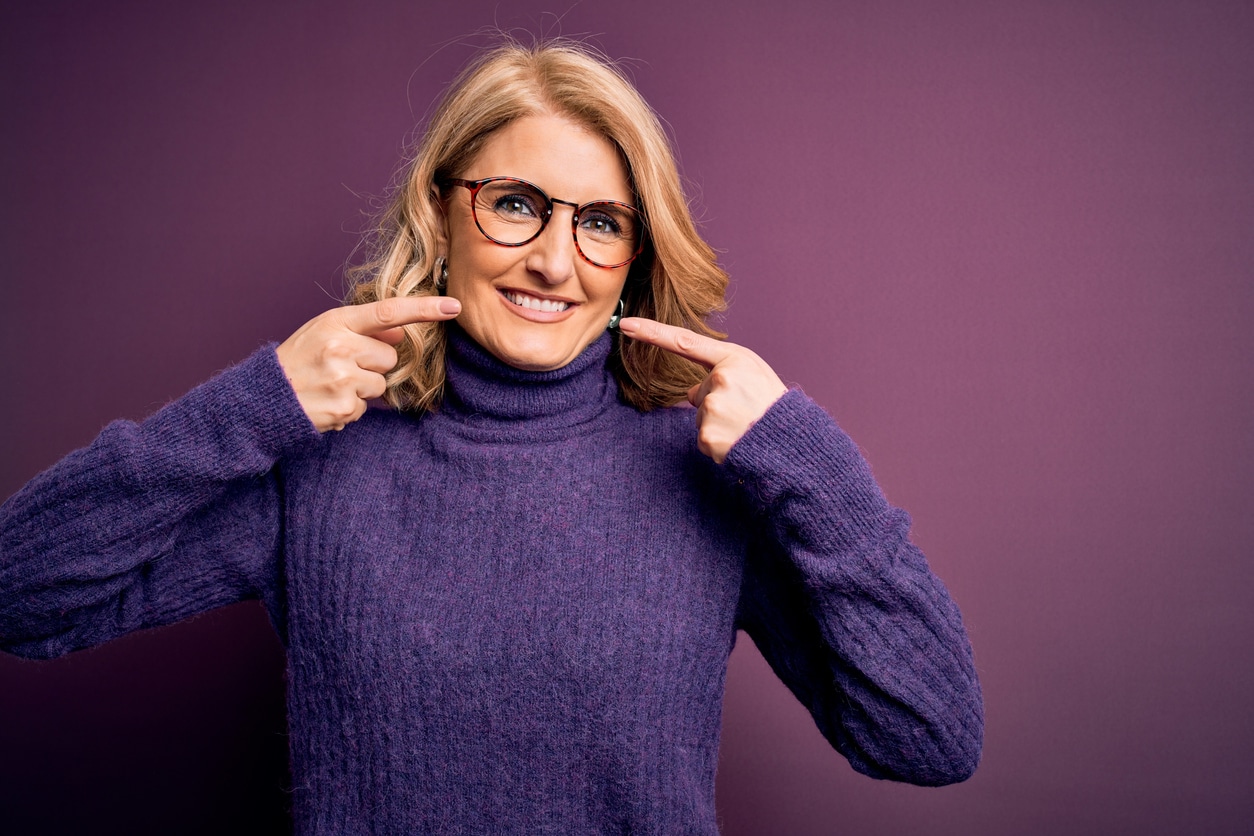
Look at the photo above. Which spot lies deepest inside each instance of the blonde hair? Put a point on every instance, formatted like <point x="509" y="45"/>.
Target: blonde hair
<point x="675" y="280"/>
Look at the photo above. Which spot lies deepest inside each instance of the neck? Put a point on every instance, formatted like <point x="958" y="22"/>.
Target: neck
<point x="483" y="389"/>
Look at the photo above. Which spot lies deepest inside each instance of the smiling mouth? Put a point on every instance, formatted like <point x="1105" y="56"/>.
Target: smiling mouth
<point x="531" y="303"/>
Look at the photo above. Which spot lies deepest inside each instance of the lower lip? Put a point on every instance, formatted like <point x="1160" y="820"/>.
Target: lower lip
<point x="536" y="316"/>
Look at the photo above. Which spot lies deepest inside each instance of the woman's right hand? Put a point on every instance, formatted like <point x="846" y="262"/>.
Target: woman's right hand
<point x="336" y="361"/>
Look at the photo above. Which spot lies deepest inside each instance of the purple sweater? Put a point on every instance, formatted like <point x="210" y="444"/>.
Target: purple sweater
<point x="514" y="614"/>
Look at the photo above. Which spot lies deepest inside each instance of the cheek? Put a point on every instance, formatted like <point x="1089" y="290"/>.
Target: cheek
<point x="601" y="284"/>
<point x="616" y="288"/>
<point x="473" y="264"/>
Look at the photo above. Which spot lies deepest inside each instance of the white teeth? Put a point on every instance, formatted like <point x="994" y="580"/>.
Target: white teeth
<point x="522" y="300"/>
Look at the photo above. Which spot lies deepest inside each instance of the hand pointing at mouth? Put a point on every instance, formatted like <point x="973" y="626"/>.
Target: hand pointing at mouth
<point x="337" y="360"/>
<point x="738" y="390"/>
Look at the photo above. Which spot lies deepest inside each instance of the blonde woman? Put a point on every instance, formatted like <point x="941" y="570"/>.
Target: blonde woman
<point x="508" y="602"/>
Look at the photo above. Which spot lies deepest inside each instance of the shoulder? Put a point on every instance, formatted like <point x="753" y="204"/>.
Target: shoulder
<point x="380" y="435"/>
<point x="669" y="429"/>
<point x="664" y="442"/>
<point x="681" y="417"/>
<point x="378" y="427"/>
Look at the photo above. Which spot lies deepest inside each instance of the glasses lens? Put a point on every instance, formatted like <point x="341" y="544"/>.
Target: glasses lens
<point x="510" y="211"/>
<point x="608" y="233"/>
<point x="513" y="212"/>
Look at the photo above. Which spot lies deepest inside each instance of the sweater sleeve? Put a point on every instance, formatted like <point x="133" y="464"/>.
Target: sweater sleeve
<point x="155" y="521"/>
<point x="844" y="608"/>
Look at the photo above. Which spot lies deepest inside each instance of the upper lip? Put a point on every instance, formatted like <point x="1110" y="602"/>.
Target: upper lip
<point x="534" y="295"/>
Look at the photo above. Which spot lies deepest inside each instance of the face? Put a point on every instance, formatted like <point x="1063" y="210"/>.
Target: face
<point x="537" y="306"/>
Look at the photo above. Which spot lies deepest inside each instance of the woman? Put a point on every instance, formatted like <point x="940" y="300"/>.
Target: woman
<point x="508" y="603"/>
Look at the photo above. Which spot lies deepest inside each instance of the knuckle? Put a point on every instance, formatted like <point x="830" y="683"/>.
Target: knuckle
<point x="338" y="377"/>
<point x="336" y="348"/>
<point x="345" y="410"/>
<point x="390" y="357"/>
<point x="705" y="446"/>
<point x="687" y="340"/>
<point x="385" y="311"/>
<point x="375" y="387"/>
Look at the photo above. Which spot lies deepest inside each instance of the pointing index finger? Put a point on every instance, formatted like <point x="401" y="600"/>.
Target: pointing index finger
<point x="687" y="344"/>
<point x="376" y="318"/>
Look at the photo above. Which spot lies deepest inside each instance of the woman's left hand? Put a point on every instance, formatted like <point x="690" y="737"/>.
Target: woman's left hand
<point x="739" y="389"/>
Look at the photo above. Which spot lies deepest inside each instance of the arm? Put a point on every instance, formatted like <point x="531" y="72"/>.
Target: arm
<point x="155" y="521"/>
<point x="845" y="609"/>
<point x="836" y="597"/>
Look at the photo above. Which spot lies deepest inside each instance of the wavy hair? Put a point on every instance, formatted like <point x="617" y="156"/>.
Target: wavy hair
<point x="675" y="280"/>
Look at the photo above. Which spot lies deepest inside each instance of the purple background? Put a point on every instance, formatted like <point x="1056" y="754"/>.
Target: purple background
<point x="1008" y="244"/>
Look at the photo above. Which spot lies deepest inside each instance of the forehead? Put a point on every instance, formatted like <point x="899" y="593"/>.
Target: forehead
<point x="561" y="156"/>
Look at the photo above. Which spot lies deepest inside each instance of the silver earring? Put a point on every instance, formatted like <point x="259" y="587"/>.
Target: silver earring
<point x="440" y="276"/>
<point x="618" y="314"/>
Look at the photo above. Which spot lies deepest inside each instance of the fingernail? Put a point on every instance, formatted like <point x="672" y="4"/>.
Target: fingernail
<point x="627" y="326"/>
<point x="450" y="306"/>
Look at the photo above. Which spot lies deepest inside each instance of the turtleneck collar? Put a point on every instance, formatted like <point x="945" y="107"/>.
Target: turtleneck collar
<point x="480" y="389"/>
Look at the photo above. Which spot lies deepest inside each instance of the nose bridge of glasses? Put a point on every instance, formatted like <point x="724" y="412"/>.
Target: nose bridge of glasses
<point x="562" y="234"/>
<point x="553" y="204"/>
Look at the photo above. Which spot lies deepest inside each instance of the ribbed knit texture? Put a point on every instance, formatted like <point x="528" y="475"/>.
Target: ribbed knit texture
<point x="513" y="615"/>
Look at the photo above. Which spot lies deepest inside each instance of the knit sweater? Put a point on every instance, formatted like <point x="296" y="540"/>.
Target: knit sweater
<point x="512" y="615"/>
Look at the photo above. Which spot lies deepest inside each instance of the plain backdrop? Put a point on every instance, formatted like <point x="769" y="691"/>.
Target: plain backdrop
<point x="1008" y="244"/>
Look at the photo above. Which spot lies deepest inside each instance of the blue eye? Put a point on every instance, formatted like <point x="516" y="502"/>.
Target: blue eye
<point x="513" y="201"/>
<point x="516" y="205"/>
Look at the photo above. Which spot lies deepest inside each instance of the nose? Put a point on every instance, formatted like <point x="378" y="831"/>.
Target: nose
<point x="552" y="255"/>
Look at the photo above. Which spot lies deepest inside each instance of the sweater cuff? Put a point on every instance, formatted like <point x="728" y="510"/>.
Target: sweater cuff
<point x="809" y="474"/>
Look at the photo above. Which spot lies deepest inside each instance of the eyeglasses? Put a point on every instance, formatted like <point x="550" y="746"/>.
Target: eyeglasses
<point x="513" y="212"/>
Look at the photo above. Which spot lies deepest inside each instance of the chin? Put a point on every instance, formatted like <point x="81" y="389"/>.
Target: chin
<point x="536" y="361"/>
<point x="538" y="355"/>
